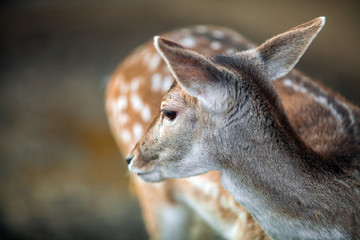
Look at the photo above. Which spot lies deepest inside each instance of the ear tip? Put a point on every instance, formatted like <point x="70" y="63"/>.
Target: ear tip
<point x="159" y="43"/>
<point x="319" y="22"/>
<point x="156" y="41"/>
<point x="322" y="19"/>
<point x="315" y="25"/>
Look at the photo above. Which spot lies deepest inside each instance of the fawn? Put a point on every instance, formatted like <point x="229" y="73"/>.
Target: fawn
<point x="178" y="208"/>
<point x="289" y="155"/>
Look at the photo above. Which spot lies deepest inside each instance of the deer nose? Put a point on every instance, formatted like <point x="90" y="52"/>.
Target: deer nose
<point x="129" y="158"/>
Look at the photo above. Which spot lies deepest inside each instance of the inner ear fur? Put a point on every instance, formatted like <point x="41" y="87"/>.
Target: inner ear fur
<point x="280" y="54"/>
<point x="196" y="74"/>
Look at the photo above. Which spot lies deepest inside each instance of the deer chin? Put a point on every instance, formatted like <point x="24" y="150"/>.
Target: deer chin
<point x="152" y="176"/>
<point x="148" y="173"/>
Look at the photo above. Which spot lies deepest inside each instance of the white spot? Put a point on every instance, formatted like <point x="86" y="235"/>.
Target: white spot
<point x="215" y="45"/>
<point x="214" y="192"/>
<point x="123" y="118"/>
<point x="156" y="82"/>
<point x="224" y="202"/>
<point x="243" y="216"/>
<point x="322" y="100"/>
<point x="352" y="120"/>
<point x="201" y="29"/>
<point x="134" y="84"/>
<point x="288" y="83"/>
<point x="207" y="188"/>
<point x="196" y="181"/>
<point x="121" y="103"/>
<point x="218" y="34"/>
<point x="136" y="102"/>
<point x="168" y="81"/>
<point x="154" y="62"/>
<point x="137" y="131"/>
<point x="125" y="136"/>
<point x="230" y="51"/>
<point x="235" y="208"/>
<point x="188" y="42"/>
<point x="146" y="114"/>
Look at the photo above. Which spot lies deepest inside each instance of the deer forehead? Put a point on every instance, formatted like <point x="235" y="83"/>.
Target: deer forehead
<point x="177" y="97"/>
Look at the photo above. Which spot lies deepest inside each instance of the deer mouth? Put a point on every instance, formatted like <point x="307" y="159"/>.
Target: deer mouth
<point x="149" y="172"/>
<point x="152" y="176"/>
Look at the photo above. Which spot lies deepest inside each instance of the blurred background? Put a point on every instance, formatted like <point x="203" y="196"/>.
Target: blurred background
<point x="61" y="175"/>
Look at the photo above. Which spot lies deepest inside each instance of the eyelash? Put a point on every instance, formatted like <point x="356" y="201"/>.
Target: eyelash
<point x="169" y="115"/>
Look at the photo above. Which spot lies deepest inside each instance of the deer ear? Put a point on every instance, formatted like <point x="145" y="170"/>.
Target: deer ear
<point x="198" y="76"/>
<point x="280" y="53"/>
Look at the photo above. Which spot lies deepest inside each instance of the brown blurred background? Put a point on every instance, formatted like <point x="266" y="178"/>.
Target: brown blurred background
<point x="61" y="175"/>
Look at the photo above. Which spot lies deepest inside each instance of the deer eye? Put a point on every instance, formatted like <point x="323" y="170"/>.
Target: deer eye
<point x="169" y="115"/>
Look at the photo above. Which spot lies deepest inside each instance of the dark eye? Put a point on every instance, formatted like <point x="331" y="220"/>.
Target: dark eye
<point x="170" y="115"/>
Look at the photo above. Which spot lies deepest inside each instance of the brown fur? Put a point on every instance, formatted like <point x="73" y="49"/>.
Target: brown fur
<point x="299" y="119"/>
<point x="155" y="197"/>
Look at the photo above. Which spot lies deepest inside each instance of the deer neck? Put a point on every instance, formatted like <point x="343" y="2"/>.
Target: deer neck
<point x="273" y="174"/>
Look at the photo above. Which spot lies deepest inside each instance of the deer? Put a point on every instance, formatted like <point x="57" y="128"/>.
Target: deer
<point x="190" y="208"/>
<point x="288" y="154"/>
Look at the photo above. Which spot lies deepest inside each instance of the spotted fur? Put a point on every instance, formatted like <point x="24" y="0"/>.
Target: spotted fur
<point x="320" y="117"/>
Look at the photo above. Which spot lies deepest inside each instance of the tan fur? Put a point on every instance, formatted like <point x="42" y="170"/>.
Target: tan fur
<point x="153" y="197"/>
<point x="301" y="104"/>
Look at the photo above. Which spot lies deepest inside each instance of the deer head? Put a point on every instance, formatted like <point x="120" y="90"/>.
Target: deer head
<point x="217" y="105"/>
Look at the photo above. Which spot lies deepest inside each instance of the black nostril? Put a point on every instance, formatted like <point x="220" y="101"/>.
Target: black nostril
<point x="128" y="158"/>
